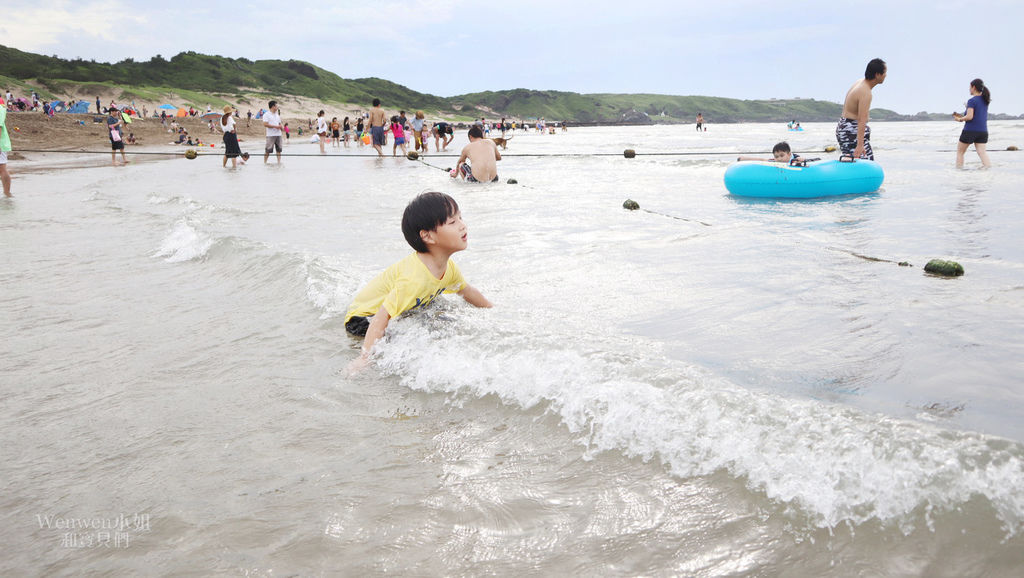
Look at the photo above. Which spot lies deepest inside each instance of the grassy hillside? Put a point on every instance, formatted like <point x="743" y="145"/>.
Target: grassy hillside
<point x="200" y="73"/>
<point x="656" y="108"/>
<point x="201" y="79"/>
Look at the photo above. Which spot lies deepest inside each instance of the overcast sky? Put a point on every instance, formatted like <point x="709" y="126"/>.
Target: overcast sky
<point x="738" y="49"/>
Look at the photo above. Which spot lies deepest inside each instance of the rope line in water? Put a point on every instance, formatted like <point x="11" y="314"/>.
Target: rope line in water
<point x="445" y="155"/>
<point x="675" y="217"/>
<point x="631" y="153"/>
<point x="868" y="257"/>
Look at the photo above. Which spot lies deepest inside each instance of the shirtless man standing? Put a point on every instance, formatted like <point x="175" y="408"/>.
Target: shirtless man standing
<point x="377" y="120"/>
<point x="852" y="132"/>
<point x="482" y="155"/>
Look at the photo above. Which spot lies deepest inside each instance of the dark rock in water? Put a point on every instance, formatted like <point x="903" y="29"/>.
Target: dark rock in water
<point x="512" y="182"/>
<point x="945" y="268"/>
<point x="629" y="153"/>
<point x="413" y="155"/>
<point x="191" y="154"/>
<point x="1012" y="148"/>
<point x="631" y="205"/>
<point x="634" y="116"/>
<point x="904" y="264"/>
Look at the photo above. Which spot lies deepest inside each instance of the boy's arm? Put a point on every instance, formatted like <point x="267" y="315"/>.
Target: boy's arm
<point x="863" y="106"/>
<point x="378" y="323"/>
<point x="455" y="172"/>
<point x="472" y="296"/>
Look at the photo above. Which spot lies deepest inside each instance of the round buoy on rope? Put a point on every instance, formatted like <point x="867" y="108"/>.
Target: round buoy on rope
<point x="944" y="268"/>
<point x="630" y="204"/>
<point x="191" y="154"/>
<point x="512" y="182"/>
<point x="629" y="153"/>
<point x="830" y="149"/>
<point x="413" y="155"/>
<point x="1012" y="148"/>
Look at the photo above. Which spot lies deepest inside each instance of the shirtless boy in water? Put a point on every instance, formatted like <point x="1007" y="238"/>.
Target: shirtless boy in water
<point x="377" y="120"/>
<point x="852" y="132"/>
<point x="482" y="155"/>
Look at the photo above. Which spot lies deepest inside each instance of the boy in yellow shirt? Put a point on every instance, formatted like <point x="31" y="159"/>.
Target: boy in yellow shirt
<point x="433" y="226"/>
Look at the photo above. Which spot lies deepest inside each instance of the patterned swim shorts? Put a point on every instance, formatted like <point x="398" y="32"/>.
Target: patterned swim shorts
<point x="846" y="134"/>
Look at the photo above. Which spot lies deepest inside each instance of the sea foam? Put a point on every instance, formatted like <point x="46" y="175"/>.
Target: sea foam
<point x="835" y="464"/>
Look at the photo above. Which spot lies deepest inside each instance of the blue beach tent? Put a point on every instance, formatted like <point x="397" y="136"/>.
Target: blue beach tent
<point x="80" y="107"/>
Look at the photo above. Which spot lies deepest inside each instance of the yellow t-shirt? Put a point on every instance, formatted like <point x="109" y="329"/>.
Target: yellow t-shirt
<point x="404" y="286"/>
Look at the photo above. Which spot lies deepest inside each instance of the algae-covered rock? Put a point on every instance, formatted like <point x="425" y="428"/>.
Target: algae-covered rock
<point x="629" y="153"/>
<point x="944" y="268"/>
<point x="413" y="155"/>
<point x="191" y="154"/>
<point x="630" y="204"/>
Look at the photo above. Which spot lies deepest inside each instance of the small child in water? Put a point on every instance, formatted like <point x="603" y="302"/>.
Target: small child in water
<point x="399" y="133"/>
<point x="781" y="153"/>
<point x="432" y="224"/>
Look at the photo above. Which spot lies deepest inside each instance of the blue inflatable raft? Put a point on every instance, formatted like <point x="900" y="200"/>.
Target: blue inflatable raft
<point x="817" y="179"/>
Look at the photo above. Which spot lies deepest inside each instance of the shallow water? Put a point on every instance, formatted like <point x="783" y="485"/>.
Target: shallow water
<point x="708" y="386"/>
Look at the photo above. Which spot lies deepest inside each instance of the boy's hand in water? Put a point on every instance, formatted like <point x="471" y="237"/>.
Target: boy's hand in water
<point x="357" y="365"/>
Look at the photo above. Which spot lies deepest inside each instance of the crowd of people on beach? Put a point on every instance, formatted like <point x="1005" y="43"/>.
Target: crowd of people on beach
<point x="476" y="163"/>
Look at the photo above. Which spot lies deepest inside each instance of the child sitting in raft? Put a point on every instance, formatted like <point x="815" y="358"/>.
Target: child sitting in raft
<point x="432" y="224"/>
<point x="781" y="153"/>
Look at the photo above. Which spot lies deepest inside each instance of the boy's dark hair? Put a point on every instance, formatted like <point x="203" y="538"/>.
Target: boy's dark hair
<point x="426" y="212"/>
<point x="782" y="146"/>
<point x="272" y="104"/>
<point x="475" y="132"/>
<point x="875" y="67"/>
<point x="376" y="102"/>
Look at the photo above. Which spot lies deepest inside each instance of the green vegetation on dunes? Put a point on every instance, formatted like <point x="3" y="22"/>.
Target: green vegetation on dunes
<point x="200" y="79"/>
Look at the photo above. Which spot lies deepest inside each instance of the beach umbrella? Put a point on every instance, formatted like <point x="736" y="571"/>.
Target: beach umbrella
<point x="210" y="116"/>
<point x="168" y="107"/>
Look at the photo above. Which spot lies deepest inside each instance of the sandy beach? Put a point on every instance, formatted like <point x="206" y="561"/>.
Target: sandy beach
<point x="34" y="131"/>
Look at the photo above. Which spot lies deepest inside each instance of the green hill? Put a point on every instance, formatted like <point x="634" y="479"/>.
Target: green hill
<point x="653" y="108"/>
<point x="218" y="80"/>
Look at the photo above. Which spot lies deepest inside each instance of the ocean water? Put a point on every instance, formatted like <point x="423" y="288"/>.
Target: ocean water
<point x="708" y="386"/>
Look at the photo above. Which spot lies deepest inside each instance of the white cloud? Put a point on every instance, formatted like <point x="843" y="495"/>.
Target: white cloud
<point x="42" y="26"/>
